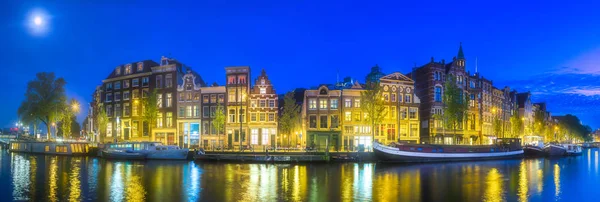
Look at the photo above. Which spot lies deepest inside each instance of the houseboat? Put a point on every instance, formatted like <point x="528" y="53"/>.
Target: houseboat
<point x="502" y="148"/>
<point x="122" y="154"/>
<point x="555" y="150"/>
<point x="55" y="148"/>
<point x="534" y="146"/>
<point x="572" y="149"/>
<point x="151" y="150"/>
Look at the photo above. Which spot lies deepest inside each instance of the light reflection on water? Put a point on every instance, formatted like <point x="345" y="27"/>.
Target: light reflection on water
<point x="59" y="178"/>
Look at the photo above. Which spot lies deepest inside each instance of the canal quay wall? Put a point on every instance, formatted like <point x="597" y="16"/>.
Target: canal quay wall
<point x="289" y="156"/>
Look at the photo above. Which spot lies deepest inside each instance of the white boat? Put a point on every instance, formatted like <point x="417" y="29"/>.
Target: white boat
<point x="572" y="149"/>
<point x="151" y="150"/>
<point x="122" y="154"/>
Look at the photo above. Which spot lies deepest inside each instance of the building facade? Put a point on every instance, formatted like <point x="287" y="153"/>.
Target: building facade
<point x="263" y="112"/>
<point x="121" y="96"/>
<point x="165" y="77"/>
<point x="402" y="107"/>
<point x="188" y="110"/>
<point x="213" y="99"/>
<point x="430" y="80"/>
<point x="237" y="88"/>
<point x="321" y="112"/>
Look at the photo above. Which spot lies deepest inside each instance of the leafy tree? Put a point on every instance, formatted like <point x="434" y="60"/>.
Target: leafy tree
<point x="372" y="105"/>
<point x="516" y="125"/>
<point x="290" y="116"/>
<point x="27" y="117"/>
<point x="101" y="121"/>
<point x="75" y="128"/>
<point x="539" y="122"/>
<point x="570" y="128"/>
<point x="455" y="105"/>
<point x="68" y="118"/>
<point x="219" y="121"/>
<point x="44" y="99"/>
<point x="497" y="125"/>
<point x="150" y="110"/>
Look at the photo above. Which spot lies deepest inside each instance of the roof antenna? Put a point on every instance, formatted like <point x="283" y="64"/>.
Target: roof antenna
<point x="337" y="77"/>
<point x="475" y="65"/>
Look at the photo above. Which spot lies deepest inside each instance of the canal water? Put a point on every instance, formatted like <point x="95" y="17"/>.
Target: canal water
<point x="25" y="177"/>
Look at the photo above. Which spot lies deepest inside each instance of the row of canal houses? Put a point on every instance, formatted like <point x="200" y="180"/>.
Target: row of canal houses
<point x="331" y="113"/>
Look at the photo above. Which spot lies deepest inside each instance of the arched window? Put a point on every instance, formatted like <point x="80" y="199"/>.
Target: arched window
<point x="438" y="94"/>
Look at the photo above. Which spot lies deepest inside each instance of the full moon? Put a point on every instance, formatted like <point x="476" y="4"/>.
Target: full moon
<point x="37" y="20"/>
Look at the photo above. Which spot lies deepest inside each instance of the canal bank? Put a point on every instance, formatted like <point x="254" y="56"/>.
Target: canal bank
<point x="33" y="177"/>
<point x="286" y="157"/>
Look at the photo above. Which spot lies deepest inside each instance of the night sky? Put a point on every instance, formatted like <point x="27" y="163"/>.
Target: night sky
<point x="551" y="49"/>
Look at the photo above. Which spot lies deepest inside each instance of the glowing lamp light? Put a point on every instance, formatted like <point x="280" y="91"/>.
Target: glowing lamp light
<point x="37" y="20"/>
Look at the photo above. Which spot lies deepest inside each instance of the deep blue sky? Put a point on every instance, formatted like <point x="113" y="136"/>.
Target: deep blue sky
<point x="549" y="48"/>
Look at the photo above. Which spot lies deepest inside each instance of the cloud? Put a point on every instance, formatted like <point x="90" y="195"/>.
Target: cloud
<point x="565" y="92"/>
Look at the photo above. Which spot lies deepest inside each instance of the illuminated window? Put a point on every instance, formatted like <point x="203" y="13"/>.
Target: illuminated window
<point x="334" y="103"/>
<point x="254" y="136"/>
<point x="140" y="66"/>
<point x="169" y="100"/>
<point x="159" y="100"/>
<point x="169" y="119"/>
<point x="128" y="69"/>
<point x="322" y="104"/>
<point x="312" y="103"/>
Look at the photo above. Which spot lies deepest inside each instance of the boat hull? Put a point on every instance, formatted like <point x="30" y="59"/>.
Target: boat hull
<point x="167" y="154"/>
<point x="123" y="155"/>
<point x="554" y="150"/>
<point x="390" y="154"/>
<point x="533" y="151"/>
<point x="573" y="153"/>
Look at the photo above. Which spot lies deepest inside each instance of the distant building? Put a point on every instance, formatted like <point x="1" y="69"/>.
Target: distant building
<point x="525" y="109"/>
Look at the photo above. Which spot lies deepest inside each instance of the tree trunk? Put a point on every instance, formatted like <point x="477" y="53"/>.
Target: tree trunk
<point x="49" y="131"/>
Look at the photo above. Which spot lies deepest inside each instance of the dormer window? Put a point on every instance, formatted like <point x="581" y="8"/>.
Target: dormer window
<point x="164" y="61"/>
<point x="262" y="82"/>
<point x="118" y="71"/>
<point x="128" y="69"/>
<point x="140" y="66"/>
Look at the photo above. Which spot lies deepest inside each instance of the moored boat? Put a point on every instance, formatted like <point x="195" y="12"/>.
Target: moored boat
<point x="151" y="150"/>
<point x="534" y="146"/>
<point x="572" y="149"/>
<point x="554" y="150"/>
<point x="122" y="154"/>
<point x="502" y="148"/>
<point x="54" y="148"/>
<point x="533" y="151"/>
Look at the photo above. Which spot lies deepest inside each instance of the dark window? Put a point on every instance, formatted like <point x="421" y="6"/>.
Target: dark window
<point x="323" y="120"/>
<point x="313" y="122"/>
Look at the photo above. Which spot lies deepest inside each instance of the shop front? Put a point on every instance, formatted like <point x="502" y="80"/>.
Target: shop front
<point x="320" y="141"/>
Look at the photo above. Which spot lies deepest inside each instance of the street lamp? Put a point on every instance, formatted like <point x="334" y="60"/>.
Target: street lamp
<point x="53" y="125"/>
<point x="75" y="107"/>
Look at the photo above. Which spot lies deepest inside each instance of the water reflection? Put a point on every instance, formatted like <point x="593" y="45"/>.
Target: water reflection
<point x="20" y="172"/>
<point x="557" y="181"/>
<point x="57" y="178"/>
